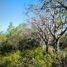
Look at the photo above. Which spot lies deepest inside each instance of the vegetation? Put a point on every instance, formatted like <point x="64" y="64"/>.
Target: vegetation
<point x="20" y="49"/>
<point x="24" y="45"/>
<point x="50" y="19"/>
<point x="33" y="58"/>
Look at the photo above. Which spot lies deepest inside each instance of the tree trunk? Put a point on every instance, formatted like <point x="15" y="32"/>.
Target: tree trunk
<point x="46" y="48"/>
<point x="56" y="46"/>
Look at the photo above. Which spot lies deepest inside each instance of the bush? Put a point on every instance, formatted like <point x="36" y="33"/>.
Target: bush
<point x="27" y="43"/>
<point x="12" y="60"/>
<point x="63" y="42"/>
<point x="5" y="48"/>
<point x="33" y="58"/>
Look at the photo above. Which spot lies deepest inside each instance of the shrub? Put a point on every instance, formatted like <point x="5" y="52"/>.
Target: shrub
<point x="27" y="43"/>
<point x="12" y="60"/>
<point x="5" y="48"/>
<point x="33" y="58"/>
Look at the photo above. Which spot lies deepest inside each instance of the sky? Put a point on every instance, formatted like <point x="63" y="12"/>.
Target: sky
<point x="13" y="11"/>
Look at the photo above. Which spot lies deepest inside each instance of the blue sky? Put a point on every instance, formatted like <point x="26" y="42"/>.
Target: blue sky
<point x="13" y="11"/>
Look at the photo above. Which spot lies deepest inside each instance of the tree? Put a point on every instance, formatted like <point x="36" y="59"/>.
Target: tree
<point x="55" y="11"/>
<point x="40" y="27"/>
<point x="54" y="4"/>
<point x="26" y="41"/>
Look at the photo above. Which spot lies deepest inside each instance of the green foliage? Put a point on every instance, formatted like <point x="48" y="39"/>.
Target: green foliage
<point x="65" y="48"/>
<point x="27" y="43"/>
<point x="32" y="58"/>
<point x="5" y="48"/>
<point x="12" y="60"/>
<point x="17" y="38"/>
<point x="10" y="28"/>
<point x="19" y="48"/>
<point x="63" y="42"/>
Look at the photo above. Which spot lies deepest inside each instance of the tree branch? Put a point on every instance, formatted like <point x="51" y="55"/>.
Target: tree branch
<point x="62" y="5"/>
<point x="62" y="33"/>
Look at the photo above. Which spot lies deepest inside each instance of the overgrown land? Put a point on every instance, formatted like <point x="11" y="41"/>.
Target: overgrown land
<point x="42" y="42"/>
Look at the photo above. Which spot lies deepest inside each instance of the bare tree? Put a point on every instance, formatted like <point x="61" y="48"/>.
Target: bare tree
<point x="56" y="25"/>
<point x="40" y="26"/>
<point x="53" y="26"/>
